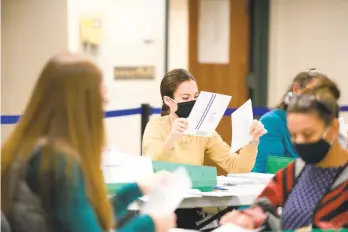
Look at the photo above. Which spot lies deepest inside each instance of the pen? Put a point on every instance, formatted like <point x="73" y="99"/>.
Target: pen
<point x="220" y="188"/>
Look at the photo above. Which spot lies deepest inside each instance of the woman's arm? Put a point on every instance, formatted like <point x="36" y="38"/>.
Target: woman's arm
<point x="219" y="152"/>
<point x="76" y="213"/>
<point x="123" y="197"/>
<point x="154" y="144"/>
<point x="270" y="143"/>
<point x="264" y="211"/>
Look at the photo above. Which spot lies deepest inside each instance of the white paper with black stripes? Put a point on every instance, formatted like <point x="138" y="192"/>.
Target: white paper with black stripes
<point x="207" y="113"/>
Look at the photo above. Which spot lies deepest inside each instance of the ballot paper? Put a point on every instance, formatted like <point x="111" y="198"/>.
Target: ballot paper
<point x="167" y="196"/>
<point x="207" y="113"/>
<point x="343" y="133"/>
<point x="242" y="120"/>
<point x="232" y="227"/>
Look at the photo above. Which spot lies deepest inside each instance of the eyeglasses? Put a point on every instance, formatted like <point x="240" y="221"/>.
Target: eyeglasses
<point x="304" y="102"/>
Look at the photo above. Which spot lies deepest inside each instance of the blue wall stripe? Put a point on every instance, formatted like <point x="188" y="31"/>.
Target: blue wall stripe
<point x="13" y="119"/>
<point x="120" y="113"/>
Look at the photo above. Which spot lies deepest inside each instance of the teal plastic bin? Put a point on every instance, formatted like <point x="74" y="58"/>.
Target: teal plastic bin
<point x="275" y="163"/>
<point x="203" y="178"/>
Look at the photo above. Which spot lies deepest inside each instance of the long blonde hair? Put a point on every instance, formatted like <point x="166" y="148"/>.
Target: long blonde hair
<point x="66" y="108"/>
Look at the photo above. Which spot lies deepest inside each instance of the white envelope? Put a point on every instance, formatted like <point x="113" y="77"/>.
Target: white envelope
<point x="242" y="120"/>
<point x="207" y="113"/>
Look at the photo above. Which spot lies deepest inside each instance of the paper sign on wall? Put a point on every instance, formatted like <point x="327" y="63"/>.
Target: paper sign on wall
<point x="91" y="29"/>
<point x="214" y="31"/>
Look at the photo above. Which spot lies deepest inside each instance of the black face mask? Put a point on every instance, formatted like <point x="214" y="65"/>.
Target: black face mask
<point x="185" y="108"/>
<point x="313" y="153"/>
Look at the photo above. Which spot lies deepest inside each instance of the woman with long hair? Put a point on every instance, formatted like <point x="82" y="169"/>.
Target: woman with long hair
<point x="58" y="145"/>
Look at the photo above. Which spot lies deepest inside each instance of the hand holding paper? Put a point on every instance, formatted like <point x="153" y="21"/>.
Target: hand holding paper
<point x="166" y="197"/>
<point x="151" y="182"/>
<point x="244" y="128"/>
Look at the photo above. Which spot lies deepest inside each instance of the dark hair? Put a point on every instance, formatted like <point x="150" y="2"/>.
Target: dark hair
<point x="303" y="79"/>
<point x="169" y="84"/>
<point x="322" y="100"/>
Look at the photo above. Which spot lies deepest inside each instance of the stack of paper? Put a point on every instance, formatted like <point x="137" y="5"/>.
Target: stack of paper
<point x="231" y="181"/>
<point x="261" y="178"/>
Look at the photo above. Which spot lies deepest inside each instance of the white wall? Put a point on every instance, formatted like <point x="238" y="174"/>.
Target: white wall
<point x="303" y="33"/>
<point x="34" y="30"/>
<point x="308" y="34"/>
<point x="125" y="25"/>
<point x="31" y="33"/>
<point x="178" y="34"/>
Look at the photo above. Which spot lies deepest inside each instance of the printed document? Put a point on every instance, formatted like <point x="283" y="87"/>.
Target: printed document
<point x="207" y="113"/>
<point x="166" y="197"/>
<point x="242" y="120"/>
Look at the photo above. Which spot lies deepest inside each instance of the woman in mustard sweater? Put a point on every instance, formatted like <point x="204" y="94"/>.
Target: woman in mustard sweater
<point x="58" y="142"/>
<point x="164" y="137"/>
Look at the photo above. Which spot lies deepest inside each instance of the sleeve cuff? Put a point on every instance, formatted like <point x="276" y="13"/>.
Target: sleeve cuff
<point x="132" y="190"/>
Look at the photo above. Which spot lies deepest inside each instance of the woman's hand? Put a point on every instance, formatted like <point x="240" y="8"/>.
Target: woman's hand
<point x="250" y="218"/>
<point x="149" y="183"/>
<point x="179" y="126"/>
<point x="257" y="130"/>
<point x="164" y="223"/>
<point x="238" y="219"/>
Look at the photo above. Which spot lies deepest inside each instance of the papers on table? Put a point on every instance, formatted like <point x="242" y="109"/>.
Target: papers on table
<point x="231" y="181"/>
<point x="166" y="197"/>
<point x="242" y="120"/>
<point x="207" y="113"/>
<point x="121" y="168"/>
<point x="261" y="178"/>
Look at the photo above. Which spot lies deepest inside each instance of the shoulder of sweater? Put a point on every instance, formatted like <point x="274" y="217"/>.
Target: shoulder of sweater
<point x="158" y="120"/>
<point x="272" y="121"/>
<point x="271" y="114"/>
<point x="272" y="117"/>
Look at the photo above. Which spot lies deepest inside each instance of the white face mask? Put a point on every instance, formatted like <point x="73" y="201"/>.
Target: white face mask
<point x="343" y="134"/>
